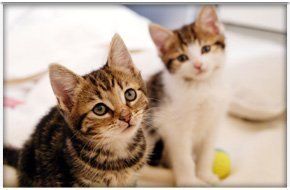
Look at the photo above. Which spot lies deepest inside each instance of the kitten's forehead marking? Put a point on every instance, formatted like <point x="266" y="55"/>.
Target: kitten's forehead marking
<point x="194" y="50"/>
<point x="115" y="96"/>
<point x="122" y="96"/>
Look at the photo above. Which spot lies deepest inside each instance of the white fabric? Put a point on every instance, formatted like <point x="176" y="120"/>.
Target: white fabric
<point x="257" y="79"/>
<point x="259" y="93"/>
<point x="69" y="34"/>
<point x="78" y="37"/>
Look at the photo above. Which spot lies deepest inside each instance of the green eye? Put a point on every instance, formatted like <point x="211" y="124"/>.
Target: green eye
<point x="205" y="49"/>
<point x="100" y="109"/>
<point x="130" y="94"/>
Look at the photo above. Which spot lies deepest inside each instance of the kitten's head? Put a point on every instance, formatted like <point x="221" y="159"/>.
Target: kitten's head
<point x="105" y="104"/>
<point x="194" y="51"/>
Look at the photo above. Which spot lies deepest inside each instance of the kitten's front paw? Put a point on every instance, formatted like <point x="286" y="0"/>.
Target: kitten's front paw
<point x="209" y="178"/>
<point x="189" y="182"/>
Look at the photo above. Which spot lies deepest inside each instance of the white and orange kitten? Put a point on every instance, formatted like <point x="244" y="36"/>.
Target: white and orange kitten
<point x="187" y="98"/>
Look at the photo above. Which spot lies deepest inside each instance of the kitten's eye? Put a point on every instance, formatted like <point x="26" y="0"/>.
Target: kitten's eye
<point x="130" y="95"/>
<point x="205" y="49"/>
<point x="182" y="58"/>
<point x="100" y="109"/>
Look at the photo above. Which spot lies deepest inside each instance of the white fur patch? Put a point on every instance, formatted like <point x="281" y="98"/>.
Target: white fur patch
<point x="187" y="122"/>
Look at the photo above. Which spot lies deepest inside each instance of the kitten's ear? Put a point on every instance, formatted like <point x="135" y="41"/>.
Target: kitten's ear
<point x="207" y="20"/>
<point x="119" y="55"/>
<point x="63" y="83"/>
<point x="159" y="36"/>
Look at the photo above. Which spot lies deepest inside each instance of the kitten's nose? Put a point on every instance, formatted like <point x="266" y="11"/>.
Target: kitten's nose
<point x="197" y="65"/>
<point x="125" y="115"/>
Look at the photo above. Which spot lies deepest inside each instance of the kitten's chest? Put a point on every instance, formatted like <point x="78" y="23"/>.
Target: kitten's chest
<point x="186" y="107"/>
<point x="93" y="168"/>
<point x="192" y="102"/>
<point x="92" y="177"/>
<point x="105" y="179"/>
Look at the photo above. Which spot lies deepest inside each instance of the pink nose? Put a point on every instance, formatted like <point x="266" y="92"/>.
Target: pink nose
<point x="197" y="65"/>
<point x="125" y="115"/>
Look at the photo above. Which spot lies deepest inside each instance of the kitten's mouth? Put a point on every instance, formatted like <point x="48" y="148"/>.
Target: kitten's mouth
<point x="197" y="74"/>
<point x="129" y="127"/>
<point x="199" y="71"/>
<point x="188" y="79"/>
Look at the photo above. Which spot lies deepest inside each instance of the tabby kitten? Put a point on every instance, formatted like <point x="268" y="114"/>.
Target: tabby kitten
<point x="186" y="98"/>
<point x="94" y="136"/>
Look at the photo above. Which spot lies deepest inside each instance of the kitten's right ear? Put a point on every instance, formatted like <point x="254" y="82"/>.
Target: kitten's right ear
<point x="119" y="55"/>
<point x="63" y="83"/>
<point x="207" y="21"/>
<point x="159" y="36"/>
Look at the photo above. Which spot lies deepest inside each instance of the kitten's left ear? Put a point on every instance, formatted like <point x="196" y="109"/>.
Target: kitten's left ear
<point x="160" y="36"/>
<point x="119" y="55"/>
<point x="207" y="21"/>
<point x="63" y="83"/>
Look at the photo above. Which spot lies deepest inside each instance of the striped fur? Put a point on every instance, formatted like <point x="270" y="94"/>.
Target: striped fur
<point x="73" y="145"/>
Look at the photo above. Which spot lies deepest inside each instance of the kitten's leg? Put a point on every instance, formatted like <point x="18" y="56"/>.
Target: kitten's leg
<point x="205" y="157"/>
<point x="205" y="154"/>
<point x="180" y="155"/>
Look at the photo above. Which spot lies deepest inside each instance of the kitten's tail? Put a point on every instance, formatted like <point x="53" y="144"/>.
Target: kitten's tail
<point x="11" y="156"/>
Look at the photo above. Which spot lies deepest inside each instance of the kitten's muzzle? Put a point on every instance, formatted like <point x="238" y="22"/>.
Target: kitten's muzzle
<point x="125" y="116"/>
<point x="197" y="66"/>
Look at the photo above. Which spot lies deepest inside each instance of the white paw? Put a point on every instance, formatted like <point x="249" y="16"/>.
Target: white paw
<point x="209" y="178"/>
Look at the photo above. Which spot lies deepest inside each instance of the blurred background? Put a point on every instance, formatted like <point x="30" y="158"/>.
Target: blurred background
<point x="265" y="17"/>
<point x="78" y="35"/>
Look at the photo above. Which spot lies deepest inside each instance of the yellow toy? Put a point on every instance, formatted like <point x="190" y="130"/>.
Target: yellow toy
<point x="221" y="164"/>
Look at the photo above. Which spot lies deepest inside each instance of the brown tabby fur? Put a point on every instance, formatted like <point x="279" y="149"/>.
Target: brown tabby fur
<point x="71" y="145"/>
